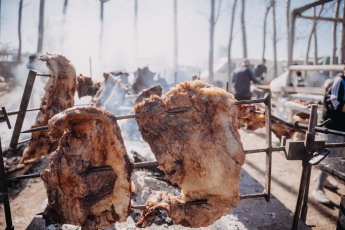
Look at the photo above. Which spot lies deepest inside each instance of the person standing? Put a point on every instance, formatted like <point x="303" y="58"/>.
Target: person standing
<point x="334" y="108"/>
<point x="261" y="70"/>
<point x="241" y="79"/>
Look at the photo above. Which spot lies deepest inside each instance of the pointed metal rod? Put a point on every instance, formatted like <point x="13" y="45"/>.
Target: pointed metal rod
<point x="196" y="202"/>
<point x="93" y="169"/>
<point x="170" y="112"/>
<point x="140" y="164"/>
<point x="10" y="113"/>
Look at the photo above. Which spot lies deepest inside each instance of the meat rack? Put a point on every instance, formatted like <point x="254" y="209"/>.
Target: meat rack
<point x="295" y="151"/>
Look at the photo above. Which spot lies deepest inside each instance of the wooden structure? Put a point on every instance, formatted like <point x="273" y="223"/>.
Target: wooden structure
<point x="297" y="13"/>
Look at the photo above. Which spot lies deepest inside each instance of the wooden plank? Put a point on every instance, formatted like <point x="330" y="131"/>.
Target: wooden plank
<point x="311" y="90"/>
<point x="308" y="6"/>
<point x="321" y="18"/>
<point x="338" y="68"/>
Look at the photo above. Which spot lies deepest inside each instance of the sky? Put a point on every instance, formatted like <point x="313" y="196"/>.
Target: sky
<point x="77" y="36"/>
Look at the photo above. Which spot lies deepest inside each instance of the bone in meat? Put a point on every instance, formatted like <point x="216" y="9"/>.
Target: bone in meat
<point x="200" y="150"/>
<point x="59" y="95"/>
<point x="75" y="196"/>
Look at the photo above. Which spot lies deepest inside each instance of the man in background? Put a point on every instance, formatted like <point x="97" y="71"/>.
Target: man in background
<point x="261" y="70"/>
<point x="333" y="108"/>
<point x="241" y="79"/>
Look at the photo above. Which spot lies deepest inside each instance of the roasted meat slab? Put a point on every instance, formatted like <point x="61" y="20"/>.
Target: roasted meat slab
<point x="199" y="149"/>
<point x="86" y="87"/>
<point x="146" y="93"/>
<point x="111" y="94"/>
<point x="59" y="95"/>
<point x="89" y="138"/>
<point x="252" y="121"/>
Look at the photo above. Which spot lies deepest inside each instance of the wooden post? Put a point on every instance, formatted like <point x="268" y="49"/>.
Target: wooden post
<point x="291" y="41"/>
<point x="40" y="27"/>
<point x="275" y="72"/>
<point x="264" y="32"/>
<point x="244" y="39"/>
<point x="210" y="54"/>
<point x="342" y="39"/>
<point x="334" y="38"/>
<point x="230" y="40"/>
<point x="175" y="38"/>
<point x="64" y="11"/>
<point x="19" y="59"/>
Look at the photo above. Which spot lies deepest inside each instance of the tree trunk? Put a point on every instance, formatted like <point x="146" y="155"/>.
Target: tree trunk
<point x="315" y="39"/>
<point x="0" y="18"/>
<point x="264" y="33"/>
<point x="287" y="16"/>
<point x="136" y="30"/>
<point x="175" y="38"/>
<point x="244" y="39"/>
<point x="341" y="58"/>
<point x="40" y="27"/>
<point x="334" y="32"/>
<point x="19" y="59"/>
<point x="230" y="40"/>
<point x="210" y="57"/>
<point x="275" y="72"/>
<point x="65" y="7"/>
<point x="310" y="37"/>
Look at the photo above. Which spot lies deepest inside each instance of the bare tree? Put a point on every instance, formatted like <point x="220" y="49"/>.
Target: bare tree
<point x="40" y="27"/>
<point x="275" y="72"/>
<point x="244" y="39"/>
<point x="64" y="11"/>
<point x="315" y="39"/>
<point x="341" y="58"/>
<point x="287" y="23"/>
<point x="136" y="28"/>
<point x="213" y="21"/>
<point x="20" y="31"/>
<point x="231" y="38"/>
<point x="334" y="32"/>
<point x="0" y="17"/>
<point x="264" y="33"/>
<point x="175" y="38"/>
<point x="311" y="35"/>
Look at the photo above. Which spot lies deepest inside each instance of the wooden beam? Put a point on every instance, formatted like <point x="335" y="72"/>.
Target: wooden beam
<point x="337" y="68"/>
<point x="310" y="90"/>
<point x="301" y="9"/>
<point x="321" y="18"/>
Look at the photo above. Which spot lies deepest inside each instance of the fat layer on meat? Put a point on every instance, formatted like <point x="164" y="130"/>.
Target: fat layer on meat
<point x="89" y="138"/>
<point x="200" y="150"/>
<point x="59" y="95"/>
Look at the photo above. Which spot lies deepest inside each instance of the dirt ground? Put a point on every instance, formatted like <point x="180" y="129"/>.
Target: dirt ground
<point x="253" y="214"/>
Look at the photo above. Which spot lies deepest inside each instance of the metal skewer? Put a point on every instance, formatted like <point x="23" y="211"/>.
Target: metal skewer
<point x="171" y="112"/>
<point x="138" y="165"/>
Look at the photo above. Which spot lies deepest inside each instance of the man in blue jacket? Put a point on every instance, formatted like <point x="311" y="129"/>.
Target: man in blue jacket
<point x="241" y="79"/>
<point x="334" y="108"/>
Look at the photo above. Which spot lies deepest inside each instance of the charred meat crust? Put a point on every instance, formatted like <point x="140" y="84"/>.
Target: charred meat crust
<point x="59" y="95"/>
<point x="199" y="150"/>
<point x="88" y="137"/>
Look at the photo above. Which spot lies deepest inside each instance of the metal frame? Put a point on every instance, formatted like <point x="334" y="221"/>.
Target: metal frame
<point x="23" y="108"/>
<point x="268" y="150"/>
<point x="305" y="177"/>
<point x="3" y="180"/>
